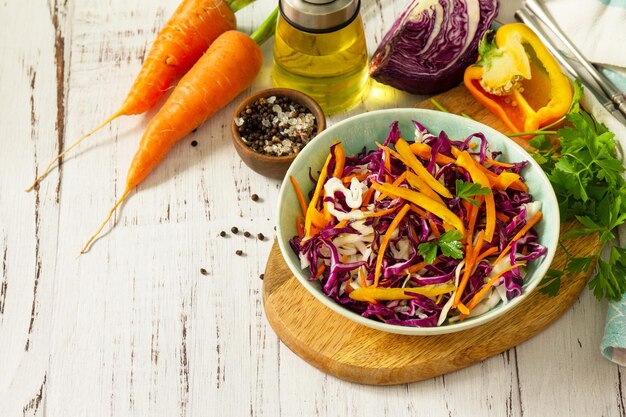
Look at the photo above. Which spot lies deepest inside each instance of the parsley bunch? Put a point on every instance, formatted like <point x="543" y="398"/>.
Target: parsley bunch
<point x="586" y="173"/>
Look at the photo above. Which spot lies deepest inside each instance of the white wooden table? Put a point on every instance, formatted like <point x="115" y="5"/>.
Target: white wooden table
<point x="133" y="328"/>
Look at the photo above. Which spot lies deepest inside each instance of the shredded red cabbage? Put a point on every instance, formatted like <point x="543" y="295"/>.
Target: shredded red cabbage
<point x="343" y="257"/>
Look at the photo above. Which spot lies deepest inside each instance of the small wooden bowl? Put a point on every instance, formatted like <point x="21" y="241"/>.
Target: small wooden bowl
<point x="267" y="165"/>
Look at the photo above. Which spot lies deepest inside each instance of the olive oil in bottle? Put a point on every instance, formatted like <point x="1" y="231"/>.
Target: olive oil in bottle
<point x="319" y="49"/>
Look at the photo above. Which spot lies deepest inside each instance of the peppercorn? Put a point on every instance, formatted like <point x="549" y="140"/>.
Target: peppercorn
<point x="238" y="252"/>
<point x="262" y="276"/>
<point x="254" y="197"/>
<point x="234" y="229"/>
<point x="204" y="271"/>
<point x="194" y="143"/>
<point x="223" y="233"/>
<point x="246" y="233"/>
<point x="276" y="126"/>
<point x="260" y="236"/>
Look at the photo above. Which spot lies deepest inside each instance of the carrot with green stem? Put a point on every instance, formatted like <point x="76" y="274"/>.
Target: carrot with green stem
<point x="227" y="68"/>
<point x="185" y="37"/>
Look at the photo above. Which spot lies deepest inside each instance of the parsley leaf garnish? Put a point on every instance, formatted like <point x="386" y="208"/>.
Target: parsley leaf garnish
<point x="467" y="190"/>
<point x="449" y="243"/>
<point x="586" y="173"/>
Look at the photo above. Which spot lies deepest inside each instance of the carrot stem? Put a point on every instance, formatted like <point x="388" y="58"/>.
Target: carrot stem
<point x="236" y="5"/>
<point x="72" y="146"/>
<point x="267" y="28"/>
<point x="93" y="237"/>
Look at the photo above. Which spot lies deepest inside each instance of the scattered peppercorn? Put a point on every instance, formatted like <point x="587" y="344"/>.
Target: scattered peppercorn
<point x="204" y="271"/>
<point x="194" y="143"/>
<point x="223" y="233"/>
<point x="260" y="236"/>
<point x="262" y="276"/>
<point x="254" y="197"/>
<point x="234" y="229"/>
<point x="246" y="233"/>
<point x="238" y="252"/>
<point x="276" y="126"/>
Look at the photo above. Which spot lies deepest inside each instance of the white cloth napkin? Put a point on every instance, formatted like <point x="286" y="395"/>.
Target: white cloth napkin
<point x="596" y="27"/>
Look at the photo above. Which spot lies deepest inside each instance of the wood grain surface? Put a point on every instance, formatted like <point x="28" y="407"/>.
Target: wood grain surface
<point x="359" y="354"/>
<point x="356" y="353"/>
<point x="134" y="328"/>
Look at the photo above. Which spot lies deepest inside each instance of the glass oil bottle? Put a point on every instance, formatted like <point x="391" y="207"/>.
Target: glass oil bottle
<point x="320" y="49"/>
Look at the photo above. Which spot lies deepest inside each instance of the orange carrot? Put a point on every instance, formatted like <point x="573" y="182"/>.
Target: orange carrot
<point x="227" y="68"/>
<point x="298" y="191"/>
<point x="340" y="160"/>
<point x="185" y="37"/>
<point x="530" y="223"/>
<point x="480" y="294"/>
<point x="385" y="241"/>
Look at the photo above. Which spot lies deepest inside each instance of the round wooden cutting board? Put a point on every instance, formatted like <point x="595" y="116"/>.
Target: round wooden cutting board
<point x="357" y="353"/>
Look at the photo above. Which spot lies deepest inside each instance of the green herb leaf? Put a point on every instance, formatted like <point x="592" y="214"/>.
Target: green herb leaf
<point x="551" y="282"/>
<point x="449" y="243"/>
<point x="541" y="143"/>
<point x="466" y="190"/>
<point x="579" y="264"/>
<point x="586" y="174"/>
<point x="428" y="250"/>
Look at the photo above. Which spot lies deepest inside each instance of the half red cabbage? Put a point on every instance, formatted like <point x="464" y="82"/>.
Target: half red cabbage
<point x="429" y="46"/>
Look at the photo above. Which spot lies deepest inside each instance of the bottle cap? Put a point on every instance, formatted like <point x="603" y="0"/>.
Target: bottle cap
<point x="319" y="16"/>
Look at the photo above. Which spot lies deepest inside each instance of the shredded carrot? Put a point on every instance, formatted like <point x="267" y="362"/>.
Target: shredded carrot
<point x="320" y="271"/>
<point x="424" y="151"/>
<point x="340" y="160"/>
<point x="439" y="298"/>
<point x="502" y="217"/>
<point x="505" y="180"/>
<point x="464" y="160"/>
<point x="480" y="294"/>
<point x="367" y="197"/>
<point x="381" y="212"/>
<point x="360" y="177"/>
<point x="530" y="223"/>
<point x="419" y="184"/>
<point x="472" y="216"/>
<point x="342" y="223"/>
<point x="299" y="194"/>
<point x="462" y="308"/>
<point x="312" y="208"/>
<point x="388" y="149"/>
<point x="426" y="203"/>
<point x="471" y="254"/>
<point x="363" y="277"/>
<point x="483" y="255"/>
<point x="412" y="162"/>
<point x="498" y="163"/>
<point x="300" y="226"/>
<point x="434" y="228"/>
<point x="385" y="241"/>
<point x="396" y="183"/>
<point x="416" y="267"/>
<point x="419" y="211"/>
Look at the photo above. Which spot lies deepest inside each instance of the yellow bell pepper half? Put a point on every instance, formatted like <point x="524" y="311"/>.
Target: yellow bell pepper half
<point x="517" y="79"/>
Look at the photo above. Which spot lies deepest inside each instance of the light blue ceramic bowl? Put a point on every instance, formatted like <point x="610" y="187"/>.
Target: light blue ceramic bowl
<point x="368" y="128"/>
